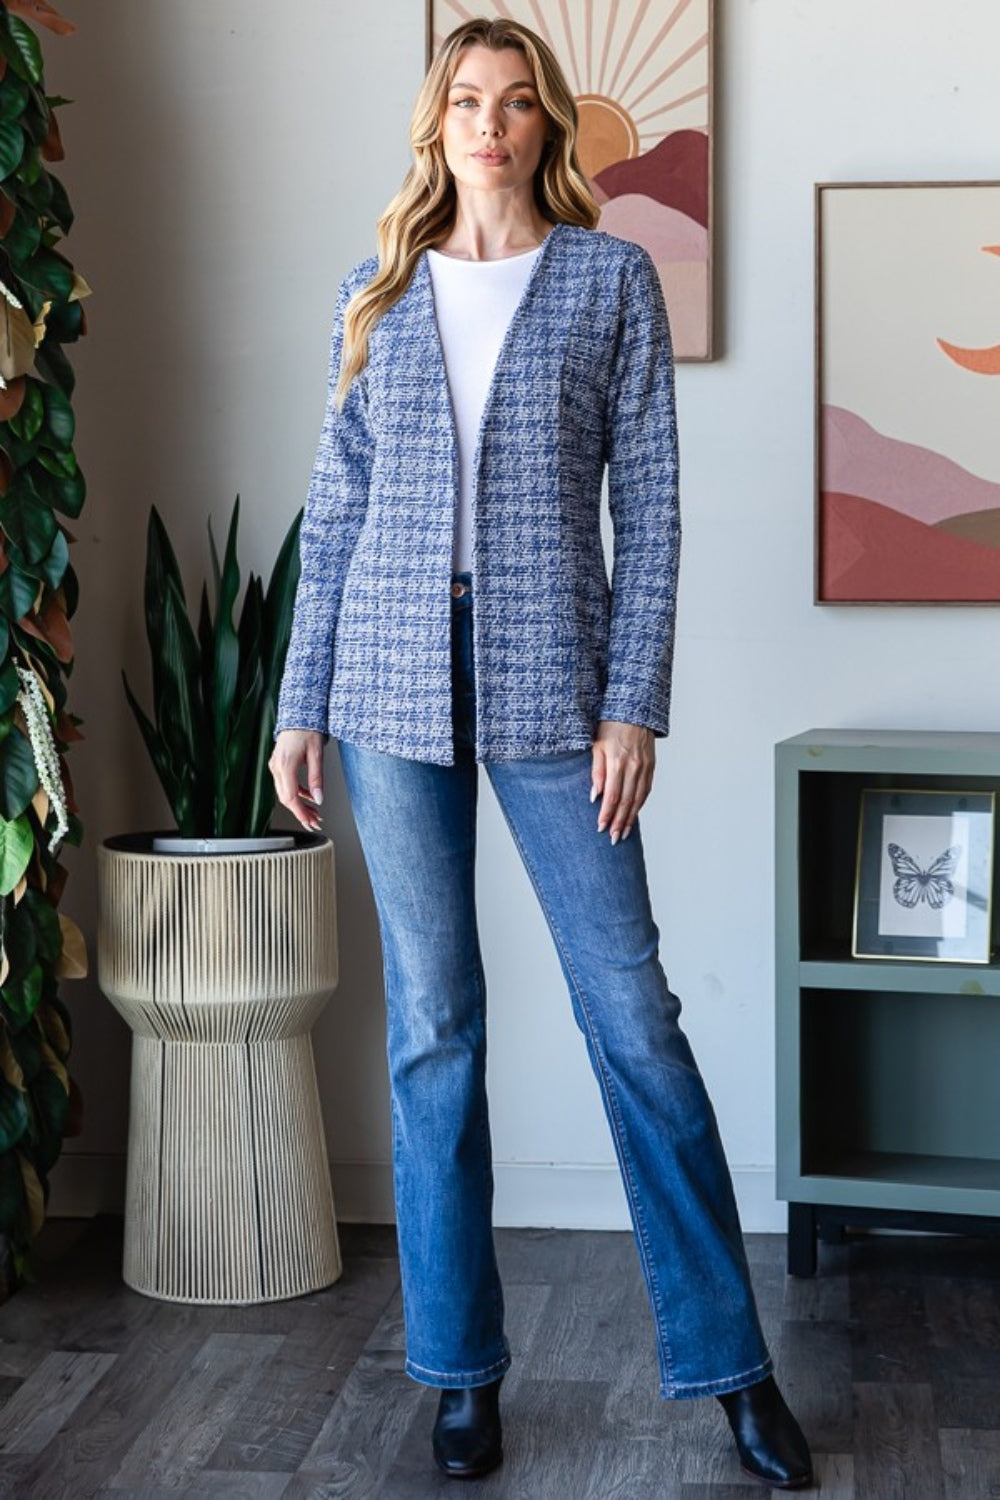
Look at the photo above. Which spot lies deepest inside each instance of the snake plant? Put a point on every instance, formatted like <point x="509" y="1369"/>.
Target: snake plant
<point x="215" y="685"/>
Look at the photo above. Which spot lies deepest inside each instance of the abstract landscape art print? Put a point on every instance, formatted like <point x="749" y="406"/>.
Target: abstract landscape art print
<point x="908" y="393"/>
<point x="641" y="73"/>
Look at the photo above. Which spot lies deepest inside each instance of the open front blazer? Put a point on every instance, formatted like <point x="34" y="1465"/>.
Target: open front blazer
<point x="584" y="381"/>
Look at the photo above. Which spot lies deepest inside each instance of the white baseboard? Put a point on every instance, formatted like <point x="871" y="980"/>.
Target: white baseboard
<point x="527" y="1194"/>
<point x="540" y="1196"/>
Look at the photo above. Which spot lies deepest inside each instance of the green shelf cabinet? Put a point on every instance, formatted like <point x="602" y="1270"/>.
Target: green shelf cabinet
<point x="888" y="1071"/>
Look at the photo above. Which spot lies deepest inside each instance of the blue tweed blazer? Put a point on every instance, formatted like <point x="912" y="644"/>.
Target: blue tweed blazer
<point x="584" y="382"/>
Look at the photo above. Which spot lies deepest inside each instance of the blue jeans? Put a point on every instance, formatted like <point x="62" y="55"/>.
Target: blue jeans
<point x="417" y="825"/>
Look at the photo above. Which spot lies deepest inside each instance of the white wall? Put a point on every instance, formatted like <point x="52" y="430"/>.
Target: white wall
<point x="227" y="163"/>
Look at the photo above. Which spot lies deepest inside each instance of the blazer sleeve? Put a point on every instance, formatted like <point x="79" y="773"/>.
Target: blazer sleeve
<point x="334" y="513"/>
<point x="642" y="458"/>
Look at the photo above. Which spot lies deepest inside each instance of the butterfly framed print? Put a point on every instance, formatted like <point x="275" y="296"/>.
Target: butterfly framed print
<point x="642" y="78"/>
<point x="924" y="875"/>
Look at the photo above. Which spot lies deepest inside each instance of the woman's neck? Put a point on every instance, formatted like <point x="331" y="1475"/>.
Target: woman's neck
<point x="490" y="230"/>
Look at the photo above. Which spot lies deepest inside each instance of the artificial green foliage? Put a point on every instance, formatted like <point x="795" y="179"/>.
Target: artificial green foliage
<point x="40" y="487"/>
<point x="215" y="684"/>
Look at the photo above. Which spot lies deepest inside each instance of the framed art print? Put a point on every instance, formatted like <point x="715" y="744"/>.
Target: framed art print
<point x="907" y="390"/>
<point x="641" y="75"/>
<point x="924" y="875"/>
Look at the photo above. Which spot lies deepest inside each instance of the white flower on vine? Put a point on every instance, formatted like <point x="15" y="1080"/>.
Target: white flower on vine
<point x="9" y="295"/>
<point x="43" y="748"/>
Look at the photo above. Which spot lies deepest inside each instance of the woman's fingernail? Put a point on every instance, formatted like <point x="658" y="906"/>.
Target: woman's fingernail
<point x="615" y="836"/>
<point x="317" y="795"/>
<point x="627" y="832"/>
<point x="593" y="794"/>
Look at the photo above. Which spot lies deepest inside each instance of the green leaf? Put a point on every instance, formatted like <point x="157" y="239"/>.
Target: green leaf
<point x="60" y="462"/>
<point x="54" y="365"/>
<point x="22" y="996"/>
<point x="65" y="493"/>
<point x="65" y="322"/>
<point x="17" y="593"/>
<point x="48" y="271"/>
<point x="60" y="422"/>
<point x="29" y="419"/>
<point x="13" y="98"/>
<point x="261" y="801"/>
<point x="237" y="756"/>
<point x="279" y="606"/>
<point x="13" y="1114"/>
<point x="29" y="47"/>
<point x="36" y="119"/>
<point x="20" y="453"/>
<point x="45" y="920"/>
<point x="51" y="1104"/>
<point x="4" y="648"/>
<point x="60" y="208"/>
<point x="20" y="942"/>
<point x="16" y="845"/>
<point x="11" y="147"/>
<point x="18" y="775"/>
<point x="225" y="659"/>
<point x="53" y="566"/>
<point x="71" y="590"/>
<point x="178" y="716"/>
<point x="29" y="172"/>
<point x="34" y="182"/>
<point x="205" y="646"/>
<point x="10" y="685"/>
<point x="23" y="238"/>
<point x="156" y="749"/>
<point x="29" y="526"/>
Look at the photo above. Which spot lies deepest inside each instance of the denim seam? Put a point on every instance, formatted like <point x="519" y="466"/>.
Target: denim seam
<point x="724" y="1386"/>
<point x="614" y="1115"/>
<point x="480" y="980"/>
<point x="499" y="1364"/>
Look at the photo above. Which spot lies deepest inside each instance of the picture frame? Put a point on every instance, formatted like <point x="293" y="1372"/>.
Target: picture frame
<point x="924" y="882"/>
<point x="907" y="473"/>
<point x="643" y="80"/>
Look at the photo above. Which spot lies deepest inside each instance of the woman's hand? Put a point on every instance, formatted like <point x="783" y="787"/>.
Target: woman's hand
<point x="295" y="749"/>
<point x="622" y="774"/>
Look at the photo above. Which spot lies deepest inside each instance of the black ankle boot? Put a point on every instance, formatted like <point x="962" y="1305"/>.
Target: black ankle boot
<point x="770" y="1442"/>
<point x="467" y="1439"/>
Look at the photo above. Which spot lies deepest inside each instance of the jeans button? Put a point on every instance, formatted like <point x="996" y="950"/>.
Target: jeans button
<point x="458" y="589"/>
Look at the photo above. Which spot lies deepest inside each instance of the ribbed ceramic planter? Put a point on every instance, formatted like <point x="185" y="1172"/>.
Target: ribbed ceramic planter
<point x="220" y="966"/>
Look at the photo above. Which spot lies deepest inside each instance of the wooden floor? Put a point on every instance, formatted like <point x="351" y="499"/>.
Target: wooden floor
<point x="891" y="1358"/>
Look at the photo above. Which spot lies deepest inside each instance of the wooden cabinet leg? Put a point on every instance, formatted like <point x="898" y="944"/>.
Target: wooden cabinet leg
<point x="801" y="1239"/>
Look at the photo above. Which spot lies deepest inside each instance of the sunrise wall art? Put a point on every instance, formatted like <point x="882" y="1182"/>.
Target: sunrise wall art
<point x="641" y="73"/>
<point x="908" y="393"/>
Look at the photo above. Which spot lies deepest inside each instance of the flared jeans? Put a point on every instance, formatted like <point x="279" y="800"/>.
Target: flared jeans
<point x="417" y="826"/>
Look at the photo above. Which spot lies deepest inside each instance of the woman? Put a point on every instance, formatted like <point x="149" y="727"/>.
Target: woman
<point x="453" y="611"/>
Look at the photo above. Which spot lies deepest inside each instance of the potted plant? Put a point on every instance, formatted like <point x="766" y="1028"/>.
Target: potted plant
<point x="220" y="957"/>
<point x="215" y="693"/>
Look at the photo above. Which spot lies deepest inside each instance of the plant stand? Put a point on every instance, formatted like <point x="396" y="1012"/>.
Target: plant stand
<point x="220" y="966"/>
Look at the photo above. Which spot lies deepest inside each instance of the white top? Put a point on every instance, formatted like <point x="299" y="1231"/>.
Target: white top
<point x="474" y="301"/>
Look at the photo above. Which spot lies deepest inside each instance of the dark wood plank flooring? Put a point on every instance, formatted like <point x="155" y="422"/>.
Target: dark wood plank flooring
<point x="891" y="1357"/>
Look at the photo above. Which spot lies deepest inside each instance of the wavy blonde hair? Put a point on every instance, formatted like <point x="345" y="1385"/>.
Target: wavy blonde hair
<point x="423" y="210"/>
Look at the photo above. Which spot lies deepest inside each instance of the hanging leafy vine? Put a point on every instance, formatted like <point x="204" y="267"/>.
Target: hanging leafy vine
<point x="41" y="486"/>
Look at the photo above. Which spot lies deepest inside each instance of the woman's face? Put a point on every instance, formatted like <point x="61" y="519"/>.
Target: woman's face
<point x="494" y="128"/>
